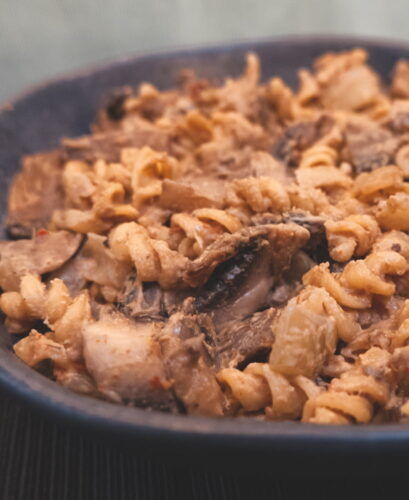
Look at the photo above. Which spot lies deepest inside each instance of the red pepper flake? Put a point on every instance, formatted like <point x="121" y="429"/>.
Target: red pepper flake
<point x="157" y="383"/>
<point x="42" y="232"/>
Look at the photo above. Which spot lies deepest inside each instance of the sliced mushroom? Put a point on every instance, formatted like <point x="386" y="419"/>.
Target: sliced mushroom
<point x="239" y="286"/>
<point x="42" y="254"/>
<point x="97" y="263"/>
<point x="283" y="239"/>
<point x="239" y="270"/>
<point x="298" y="137"/>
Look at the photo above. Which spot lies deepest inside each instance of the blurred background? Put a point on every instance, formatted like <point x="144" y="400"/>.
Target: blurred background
<point x="43" y="38"/>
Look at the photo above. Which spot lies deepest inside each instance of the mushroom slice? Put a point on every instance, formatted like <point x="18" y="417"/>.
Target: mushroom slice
<point x="188" y="364"/>
<point x="44" y="253"/>
<point x="240" y="270"/>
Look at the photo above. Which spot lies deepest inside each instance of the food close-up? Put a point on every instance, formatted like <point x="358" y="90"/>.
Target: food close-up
<point x="231" y="249"/>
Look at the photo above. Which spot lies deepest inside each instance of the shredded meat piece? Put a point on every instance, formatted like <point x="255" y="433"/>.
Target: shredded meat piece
<point x="314" y="225"/>
<point x="242" y="341"/>
<point x="108" y="145"/>
<point x="284" y="239"/>
<point x="398" y="118"/>
<point x="142" y="301"/>
<point x="176" y="196"/>
<point x="148" y="301"/>
<point x="35" y="193"/>
<point x="298" y="137"/>
<point x="369" y="146"/>
<point x="188" y="365"/>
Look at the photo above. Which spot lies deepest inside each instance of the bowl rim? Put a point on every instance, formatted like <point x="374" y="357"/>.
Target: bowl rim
<point x="44" y="394"/>
<point x="111" y="62"/>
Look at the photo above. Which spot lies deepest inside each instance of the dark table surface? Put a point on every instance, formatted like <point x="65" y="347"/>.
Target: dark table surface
<point x="41" y="460"/>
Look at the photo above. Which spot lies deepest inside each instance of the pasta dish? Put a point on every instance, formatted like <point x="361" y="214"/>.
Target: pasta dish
<point x="233" y="248"/>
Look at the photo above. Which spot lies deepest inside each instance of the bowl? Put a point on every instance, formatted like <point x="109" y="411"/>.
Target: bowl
<point x="66" y="106"/>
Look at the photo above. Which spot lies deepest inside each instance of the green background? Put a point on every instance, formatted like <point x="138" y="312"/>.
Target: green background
<point x="43" y="38"/>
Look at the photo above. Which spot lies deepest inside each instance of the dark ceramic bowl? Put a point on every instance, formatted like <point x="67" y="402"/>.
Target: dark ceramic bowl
<point x="65" y="107"/>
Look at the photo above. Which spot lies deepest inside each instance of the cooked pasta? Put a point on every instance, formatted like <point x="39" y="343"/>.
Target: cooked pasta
<point x="220" y="250"/>
<point x="54" y="306"/>
<point x="352" y="236"/>
<point x="282" y="98"/>
<point x="351" y="397"/>
<point x="319" y="155"/>
<point x="259" y="387"/>
<point x="153" y="259"/>
<point x="260" y="194"/>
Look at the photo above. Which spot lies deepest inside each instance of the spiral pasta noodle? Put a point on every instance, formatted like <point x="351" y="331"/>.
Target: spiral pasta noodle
<point x="53" y="305"/>
<point x="282" y="98"/>
<point x="361" y="278"/>
<point x="65" y="316"/>
<point x="96" y="195"/>
<point x="259" y="387"/>
<point x="200" y="228"/>
<point x="259" y="194"/>
<point x="153" y="259"/>
<point x="319" y="155"/>
<point x="352" y="236"/>
<point x="148" y="171"/>
<point x="107" y="208"/>
<point x="349" y="398"/>
<point x="309" y="88"/>
<point x="370" y="187"/>
<point x="318" y="169"/>
<point x="392" y="212"/>
<point x="321" y="276"/>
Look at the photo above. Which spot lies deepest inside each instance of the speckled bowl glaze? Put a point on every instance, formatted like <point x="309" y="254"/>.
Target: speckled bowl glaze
<point x="36" y="121"/>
